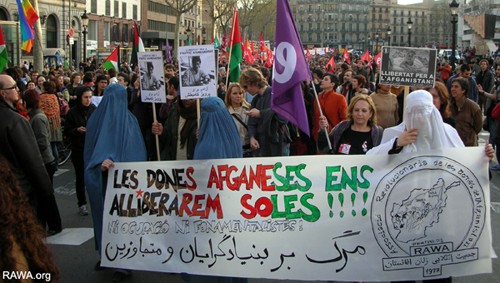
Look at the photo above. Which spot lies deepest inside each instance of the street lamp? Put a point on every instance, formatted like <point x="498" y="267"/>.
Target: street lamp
<point x="454" y="19"/>
<point x="376" y="42"/>
<point x="85" y="24"/>
<point x="369" y="43"/>
<point x="389" y="36"/>
<point x="409" y="23"/>
<point x="188" y="32"/>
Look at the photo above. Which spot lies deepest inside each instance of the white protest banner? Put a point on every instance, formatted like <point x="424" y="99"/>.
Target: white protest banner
<point x="347" y="218"/>
<point x="408" y="66"/>
<point x="197" y="71"/>
<point x="152" y="77"/>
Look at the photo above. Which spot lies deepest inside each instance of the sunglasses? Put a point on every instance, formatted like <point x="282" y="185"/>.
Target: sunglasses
<point x="7" y="88"/>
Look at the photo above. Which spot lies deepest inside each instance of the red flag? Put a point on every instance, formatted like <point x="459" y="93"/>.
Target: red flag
<point x="330" y="65"/>
<point x="366" y="56"/>
<point x="263" y="47"/>
<point x="347" y="58"/>
<point x="378" y="59"/>
<point x="270" y="58"/>
<point x="135" y="46"/>
<point x="308" y="54"/>
<point x="247" y="52"/>
<point x="236" y="52"/>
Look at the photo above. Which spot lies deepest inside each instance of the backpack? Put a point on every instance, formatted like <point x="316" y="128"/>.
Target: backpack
<point x="63" y="104"/>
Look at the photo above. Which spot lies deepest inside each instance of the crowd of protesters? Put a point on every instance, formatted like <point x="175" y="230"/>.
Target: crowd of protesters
<point x="352" y="112"/>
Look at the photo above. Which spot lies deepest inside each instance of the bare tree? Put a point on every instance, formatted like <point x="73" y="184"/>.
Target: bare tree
<point x="249" y="11"/>
<point x="181" y="7"/>
<point x="219" y="11"/>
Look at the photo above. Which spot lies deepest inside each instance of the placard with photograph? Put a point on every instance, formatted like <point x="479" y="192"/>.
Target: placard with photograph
<point x="197" y="71"/>
<point x="408" y="66"/>
<point x="152" y="77"/>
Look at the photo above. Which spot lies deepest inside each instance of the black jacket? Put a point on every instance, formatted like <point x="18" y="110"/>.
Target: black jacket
<point x="18" y="145"/>
<point x="75" y="119"/>
<point x="170" y="136"/>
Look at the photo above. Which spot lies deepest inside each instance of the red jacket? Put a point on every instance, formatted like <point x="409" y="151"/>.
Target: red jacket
<point x="333" y="106"/>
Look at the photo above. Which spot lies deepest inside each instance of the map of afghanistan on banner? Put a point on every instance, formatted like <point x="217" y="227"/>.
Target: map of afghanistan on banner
<point x="152" y="77"/>
<point x="197" y="73"/>
<point x="408" y="66"/>
<point x="347" y="218"/>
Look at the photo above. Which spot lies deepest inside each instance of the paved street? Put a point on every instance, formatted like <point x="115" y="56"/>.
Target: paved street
<point x="75" y="254"/>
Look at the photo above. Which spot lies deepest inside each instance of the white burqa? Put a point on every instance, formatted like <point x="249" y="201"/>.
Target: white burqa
<point x="420" y="114"/>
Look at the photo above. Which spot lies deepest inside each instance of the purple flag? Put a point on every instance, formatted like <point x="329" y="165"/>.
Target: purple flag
<point x="289" y="70"/>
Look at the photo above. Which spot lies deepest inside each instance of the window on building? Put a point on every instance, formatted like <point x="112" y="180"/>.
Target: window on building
<point x="125" y="37"/>
<point x="124" y="10"/>
<point x="108" y="8"/>
<point x="51" y="35"/>
<point x="134" y="12"/>
<point x="93" y="6"/>
<point x="106" y="31"/>
<point x="92" y="29"/>
<point x="116" y="9"/>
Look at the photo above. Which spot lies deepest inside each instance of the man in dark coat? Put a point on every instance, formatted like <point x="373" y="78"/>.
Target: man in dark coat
<point x="18" y="144"/>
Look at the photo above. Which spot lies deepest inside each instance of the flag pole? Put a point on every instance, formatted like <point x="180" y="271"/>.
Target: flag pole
<point x="198" y="111"/>
<point x="230" y="49"/>
<point x="321" y="114"/>
<point x="157" y="141"/>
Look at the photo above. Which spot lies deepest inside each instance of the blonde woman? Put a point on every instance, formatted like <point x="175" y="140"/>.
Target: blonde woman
<point x="238" y="106"/>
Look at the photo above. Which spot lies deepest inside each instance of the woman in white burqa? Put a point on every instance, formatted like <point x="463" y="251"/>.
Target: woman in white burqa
<point x="422" y="129"/>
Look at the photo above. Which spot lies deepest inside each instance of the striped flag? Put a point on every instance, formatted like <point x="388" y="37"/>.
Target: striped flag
<point x="27" y="19"/>
<point x="112" y="60"/>
<point x="4" y="59"/>
<point x="236" y="50"/>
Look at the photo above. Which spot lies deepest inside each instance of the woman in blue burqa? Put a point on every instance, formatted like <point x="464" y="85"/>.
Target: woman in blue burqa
<point x="113" y="135"/>
<point x="218" y="137"/>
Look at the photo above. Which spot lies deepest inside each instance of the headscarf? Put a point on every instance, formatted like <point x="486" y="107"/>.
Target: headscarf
<point x="112" y="133"/>
<point x="50" y="107"/>
<point x="218" y="136"/>
<point x="420" y="113"/>
<point x="79" y="93"/>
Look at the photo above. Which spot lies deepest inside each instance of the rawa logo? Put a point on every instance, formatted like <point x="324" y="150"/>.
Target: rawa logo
<point x="416" y="219"/>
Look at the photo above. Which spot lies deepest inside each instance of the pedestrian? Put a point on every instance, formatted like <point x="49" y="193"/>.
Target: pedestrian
<point x="22" y="239"/>
<point x="218" y="139"/>
<point x="178" y="133"/>
<point x="268" y="132"/>
<point x="50" y="106"/>
<point x="18" y="145"/>
<point x="332" y="104"/>
<point x="112" y="135"/>
<point x="355" y="135"/>
<point x="238" y="106"/>
<point x="467" y="114"/>
<point x="75" y="128"/>
<point x="422" y="129"/>
<point x="387" y="106"/>
<point x="48" y="212"/>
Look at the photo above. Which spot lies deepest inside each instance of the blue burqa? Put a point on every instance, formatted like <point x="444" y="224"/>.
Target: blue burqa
<point x="218" y="136"/>
<point x="112" y="133"/>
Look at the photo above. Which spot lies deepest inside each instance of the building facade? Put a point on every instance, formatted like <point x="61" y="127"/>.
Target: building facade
<point x="370" y="24"/>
